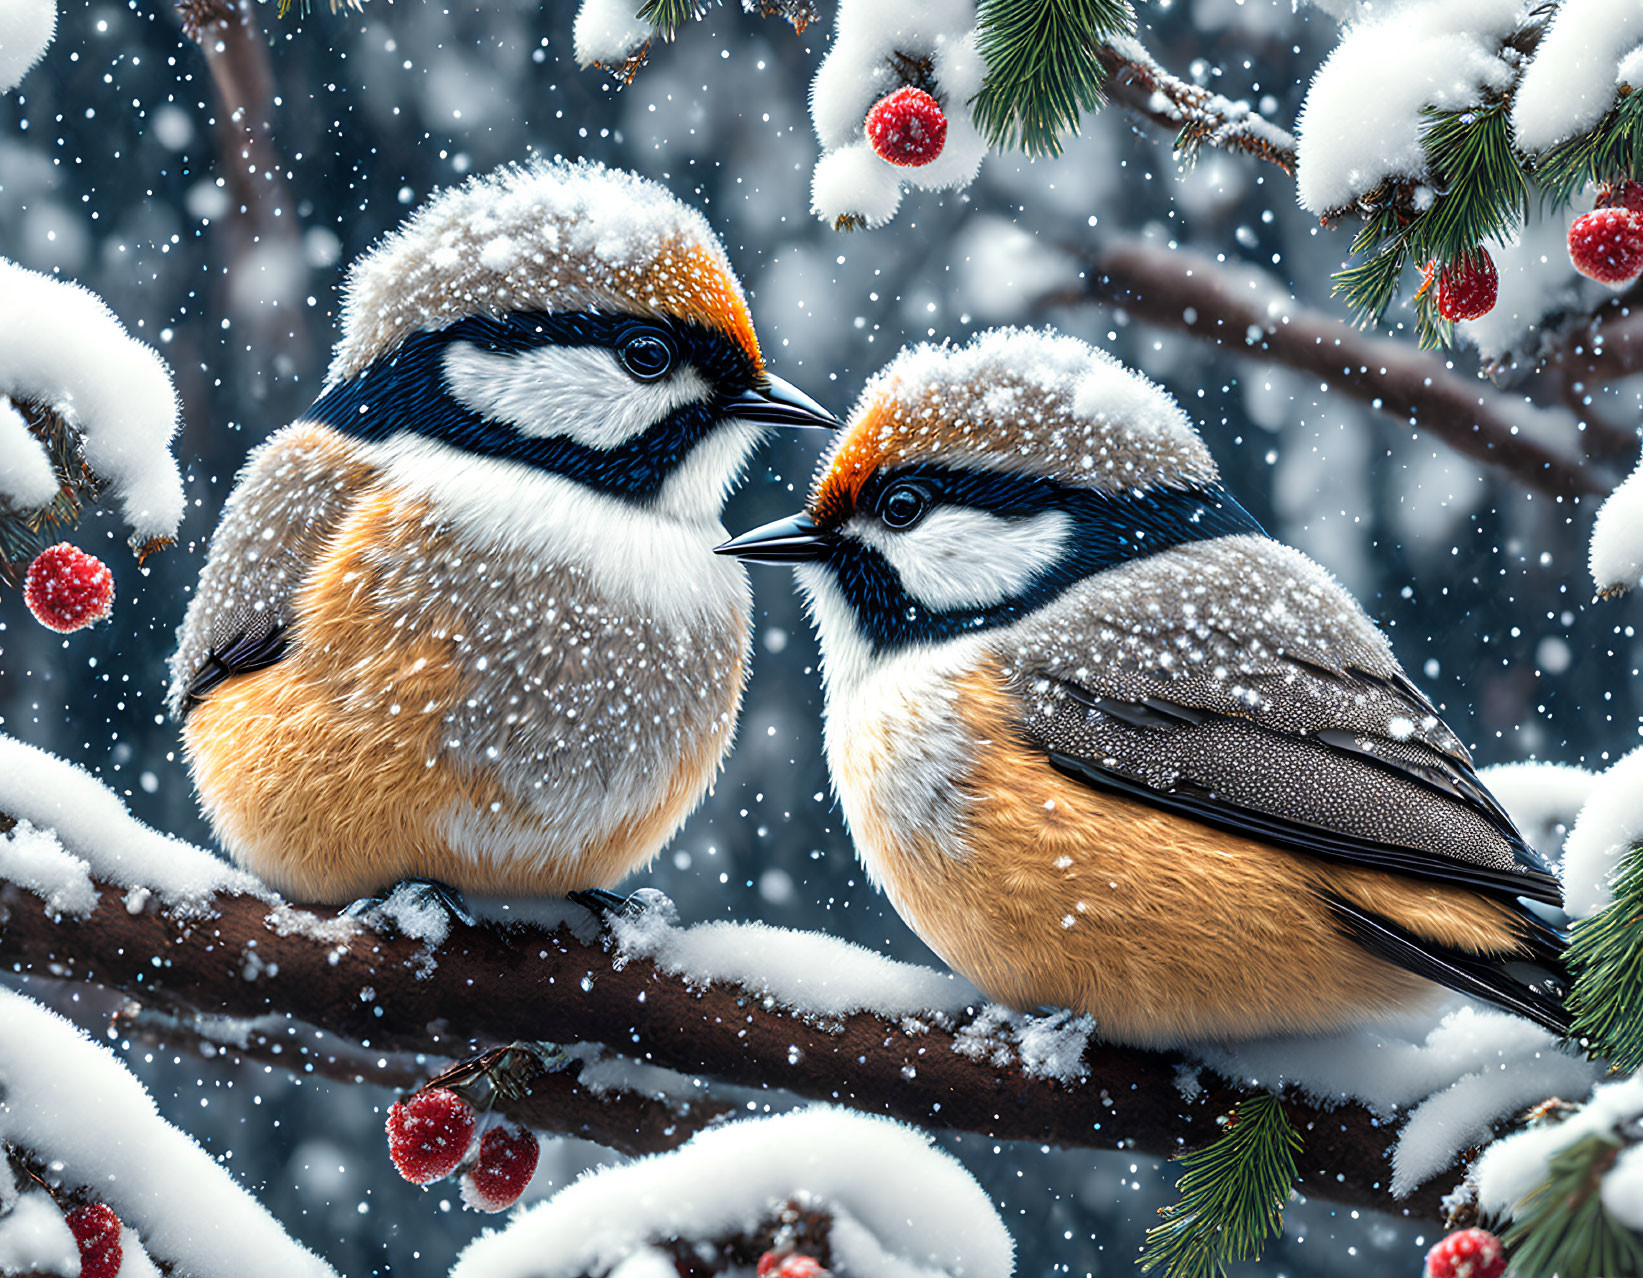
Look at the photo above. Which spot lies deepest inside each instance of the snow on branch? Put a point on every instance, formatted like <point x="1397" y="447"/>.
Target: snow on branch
<point x="795" y="1014"/>
<point x="1250" y="316"/>
<point x="77" y="1123"/>
<point x="879" y="1200"/>
<point x="85" y="409"/>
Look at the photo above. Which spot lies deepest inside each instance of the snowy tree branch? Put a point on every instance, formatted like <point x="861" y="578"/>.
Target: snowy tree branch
<point x="1135" y="80"/>
<point x="1250" y="317"/>
<point x="249" y="959"/>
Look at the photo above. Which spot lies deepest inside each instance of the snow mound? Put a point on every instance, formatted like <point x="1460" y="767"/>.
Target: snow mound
<point x="1471" y="1068"/>
<point x="807" y="972"/>
<point x="1026" y="400"/>
<point x="60" y="345"/>
<point x="901" y="1208"/>
<point x="1609" y="825"/>
<point x="557" y="235"/>
<point x="1361" y="121"/>
<point x="874" y="43"/>
<point x="1512" y="1169"/>
<point x="1570" y="84"/>
<point x="26" y="30"/>
<point x="1616" y="553"/>
<point x="70" y="1101"/>
<point x="1540" y="797"/>
<point x="72" y="828"/>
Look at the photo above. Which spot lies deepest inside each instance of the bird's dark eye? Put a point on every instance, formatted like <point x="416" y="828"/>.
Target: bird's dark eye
<point x="903" y="505"/>
<point x="646" y="356"/>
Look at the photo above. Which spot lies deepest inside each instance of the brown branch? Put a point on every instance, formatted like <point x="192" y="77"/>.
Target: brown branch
<point x="1198" y="117"/>
<point x="250" y="960"/>
<point x="264" y="218"/>
<point x="1190" y="293"/>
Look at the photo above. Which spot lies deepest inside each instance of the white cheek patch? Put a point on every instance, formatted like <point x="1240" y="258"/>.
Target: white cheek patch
<point x="956" y="557"/>
<point x="573" y="392"/>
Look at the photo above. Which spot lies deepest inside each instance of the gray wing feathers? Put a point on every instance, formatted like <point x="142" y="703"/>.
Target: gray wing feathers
<point x="292" y="491"/>
<point x="1242" y="674"/>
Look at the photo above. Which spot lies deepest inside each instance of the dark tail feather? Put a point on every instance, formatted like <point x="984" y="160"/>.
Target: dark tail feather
<point x="1535" y="990"/>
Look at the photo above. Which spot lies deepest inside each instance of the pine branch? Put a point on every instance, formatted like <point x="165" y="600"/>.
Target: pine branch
<point x="1611" y="153"/>
<point x="668" y="16"/>
<point x="1232" y="1195"/>
<point x="1605" y="956"/>
<point x="1563" y="1230"/>
<point x="25" y="533"/>
<point x="1044" y="69"/>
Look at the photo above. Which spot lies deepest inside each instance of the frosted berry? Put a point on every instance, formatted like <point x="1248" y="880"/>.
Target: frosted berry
<point x="1466" y="1253"/>
<point x="1467" y="287"/>
<point x="507" y="1161"/>
<point x="429" y="1133"/>
<point x="790" y="1264"/>
<point x="907" y="128"/>
<point x="1607" y="245"/>
<point x="1623" y="195"/>
<point x="96" y="1231"/>
<point x="67" y="589"/>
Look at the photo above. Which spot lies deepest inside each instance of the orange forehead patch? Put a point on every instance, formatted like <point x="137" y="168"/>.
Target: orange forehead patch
<point x="857" y="456"/>
<point x="690" y="281"/>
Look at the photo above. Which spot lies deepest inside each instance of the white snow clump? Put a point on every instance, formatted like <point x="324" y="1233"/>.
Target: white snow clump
<point x="35" y="1237"/>
<point x="607" y="32"/>
<point x="1540" y="797"/>
<point x="1616" y="553"/>
<point x="1361" y="122"/>
<point x="900" y="1208"/>
<point x="1570" y="83"/>
<point x="1608" y="826"/>
<point x="1512" y="1169"/>
<point x="808" y="972"/>
<point x="60" y="345"/>
<point x="850" y="179"/>
<point x="72" y="828"/>
<point x="70" y="1101"/>
<point x="27" y="28"/>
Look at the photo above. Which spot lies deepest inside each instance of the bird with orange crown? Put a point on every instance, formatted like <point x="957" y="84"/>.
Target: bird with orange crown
<point x="461" y="622"/>
<point x="1107" y="746"/>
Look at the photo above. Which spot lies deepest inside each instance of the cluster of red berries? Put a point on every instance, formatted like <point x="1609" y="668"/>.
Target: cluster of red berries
<point x="67" y="589"/>
<point x="1467" y="287"/>
<point x="1466" y="1253"/>
<point x="1607" y="243"/>
<point x="790" y="1264"/>
<point x="907" y="128"/>
<point x="96" y="1231"/>
<point x="431" y="1134"/>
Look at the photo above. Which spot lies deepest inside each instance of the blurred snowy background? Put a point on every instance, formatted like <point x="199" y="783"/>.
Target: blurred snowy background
<point x="107" y="175"/>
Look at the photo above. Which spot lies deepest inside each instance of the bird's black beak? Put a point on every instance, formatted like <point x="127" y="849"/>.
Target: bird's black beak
<point x="779" y="403"/>
<point x="794" y="540"/>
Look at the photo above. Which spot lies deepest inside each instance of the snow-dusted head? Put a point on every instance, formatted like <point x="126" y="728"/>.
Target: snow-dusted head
<point x="558" y="236"/>
<point x="565" y="317"/>
<point x="974" y="484"/>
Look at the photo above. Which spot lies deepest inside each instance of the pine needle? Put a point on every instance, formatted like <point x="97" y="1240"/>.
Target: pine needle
<point x="1563" y="1231"/>
<point x="1605" y="956"/>
<point x="1043" y="67"/>
<point x="1232" y="1195"/>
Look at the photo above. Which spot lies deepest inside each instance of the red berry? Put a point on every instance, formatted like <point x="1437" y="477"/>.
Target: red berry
<point x="791" y="1264"/>
<point x="1467" y="287"/>
<point x="907" y="128"/>
<point x="1607" y="245"/>
<point x="1466" y="1253"/>
<point x="1625" y="195"/>
<point x="96" y="1230"/>
<point x="429" y="1133"/>
<point x="65" y="588"/>
<point x="507" y="1161"/>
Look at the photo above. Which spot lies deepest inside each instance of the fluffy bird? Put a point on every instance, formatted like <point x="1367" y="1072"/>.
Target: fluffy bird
<point x="1107" y="746"/>
<point x="461" y="621"/>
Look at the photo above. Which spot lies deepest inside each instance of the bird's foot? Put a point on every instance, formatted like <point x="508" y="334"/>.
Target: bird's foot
<point x="607" y="906"/>
<point x="407" y="903"/>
